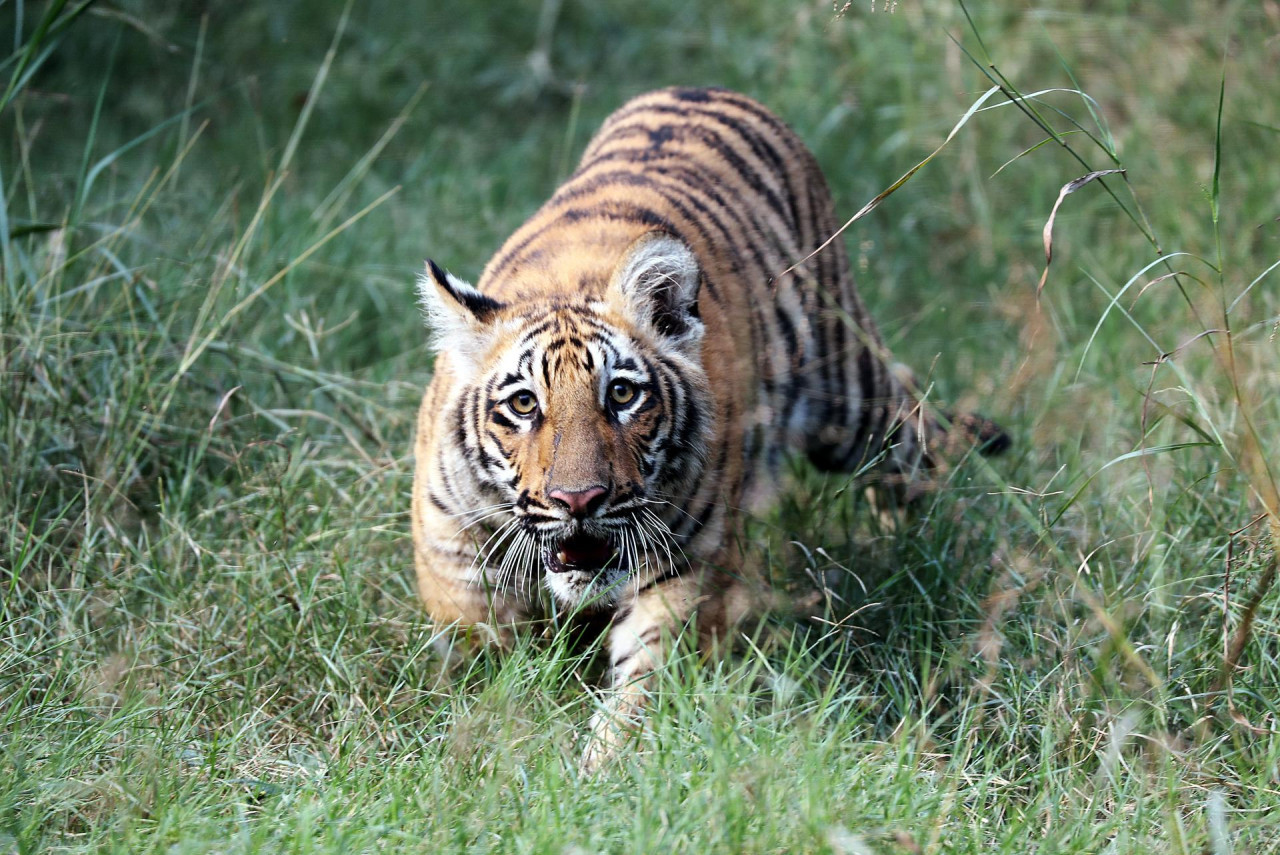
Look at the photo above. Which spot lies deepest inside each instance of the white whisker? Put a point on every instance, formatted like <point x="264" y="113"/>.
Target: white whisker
<point x="669" y="538"/>
<point x="658" y="536"/>
<point x="481" y="519"/>
<point x="631" y="563"/>
<point x="532" y="548"/>
<point x="674" y="505"/>
<point x="484" y="553"/>
<point x="480" y="510"/>
<point x="507" y="566"/>
<point x="641" y="536"/>
<point x="633" y="550"/>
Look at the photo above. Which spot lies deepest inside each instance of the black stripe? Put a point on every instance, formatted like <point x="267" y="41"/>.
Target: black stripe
<point x="866" y="384"/>
<point x="875" y="409"/>
<point x="695" y="94"/>
<point x="757" y="310"/>
<point x="712" y="105"/>
<point x="439" y="505"/>
<point x="631" y="178"/>
<point x="716" y="143"/>
<point x="617" y="212"/>
<point x="690" y="524"/>
<point x="763" y="149"/>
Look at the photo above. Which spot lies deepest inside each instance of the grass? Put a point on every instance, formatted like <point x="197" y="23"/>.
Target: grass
<point x="209" y="364"/>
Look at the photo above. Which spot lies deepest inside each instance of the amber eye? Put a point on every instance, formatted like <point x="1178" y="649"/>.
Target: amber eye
<point x="622" y="392"/>
<point x="523" y="404"/>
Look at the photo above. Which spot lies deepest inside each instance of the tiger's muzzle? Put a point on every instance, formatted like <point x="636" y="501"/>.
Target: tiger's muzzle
<point x="581" y="553"/>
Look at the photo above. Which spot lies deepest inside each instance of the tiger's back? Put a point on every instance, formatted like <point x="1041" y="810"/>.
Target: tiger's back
<point x="630" y="370"/>
<point x="801" y="364"/>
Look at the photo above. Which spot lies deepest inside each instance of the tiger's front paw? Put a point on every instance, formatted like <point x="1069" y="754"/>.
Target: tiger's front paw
<point x="612" y="733"/>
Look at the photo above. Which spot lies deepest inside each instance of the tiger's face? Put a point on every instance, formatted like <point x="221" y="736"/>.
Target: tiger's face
<point x="580" y="419"/>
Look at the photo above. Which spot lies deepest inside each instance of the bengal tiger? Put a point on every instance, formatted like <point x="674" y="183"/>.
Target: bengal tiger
<point x="625" y="379"/>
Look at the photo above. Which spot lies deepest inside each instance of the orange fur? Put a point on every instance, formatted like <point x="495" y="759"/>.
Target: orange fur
<point x="626" y="376"/>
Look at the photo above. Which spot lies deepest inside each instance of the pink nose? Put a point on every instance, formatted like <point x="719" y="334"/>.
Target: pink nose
<point x="580" y="503"/>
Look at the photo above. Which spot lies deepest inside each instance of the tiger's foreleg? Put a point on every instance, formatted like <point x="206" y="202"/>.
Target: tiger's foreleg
<point x="643" y="639"/>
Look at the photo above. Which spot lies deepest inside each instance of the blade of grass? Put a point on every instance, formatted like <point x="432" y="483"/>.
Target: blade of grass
<point x="1146" y="451"/>
<point x="190" y="357"/>
<point x="1114" y="301"/>
<point x="82" y="185"/>
<point x="332" y="203"/>
<point x="1047" y="232"/>
<point x="192" y="81"/>
<point x="50" y="27"/>
<point x="889" y="191"/>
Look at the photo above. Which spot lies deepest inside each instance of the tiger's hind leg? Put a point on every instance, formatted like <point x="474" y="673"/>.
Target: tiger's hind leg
<point x="875" y="425"/>
<point x="894" y="435"/>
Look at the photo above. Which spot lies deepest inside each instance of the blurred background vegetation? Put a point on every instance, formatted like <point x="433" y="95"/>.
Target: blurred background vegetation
<point x="497" y="101"/>
<point x="209" y="363"/>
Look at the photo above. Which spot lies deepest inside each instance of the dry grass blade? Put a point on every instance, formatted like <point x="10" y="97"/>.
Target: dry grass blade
<point x="1244" y="631"/>
<point x="975" y="107"/>
<point x="197" y="348"/>
<point x="1067" y="189"/>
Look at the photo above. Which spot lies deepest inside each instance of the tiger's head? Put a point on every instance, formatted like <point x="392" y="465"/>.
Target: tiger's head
<point x="580" y="416"/>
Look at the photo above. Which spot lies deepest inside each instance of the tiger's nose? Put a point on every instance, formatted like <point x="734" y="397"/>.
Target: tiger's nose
<point x="581" y="503"/>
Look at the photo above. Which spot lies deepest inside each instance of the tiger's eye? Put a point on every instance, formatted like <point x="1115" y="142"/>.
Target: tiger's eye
<point x="522" y="403"/>
<point x="622" y="391"/>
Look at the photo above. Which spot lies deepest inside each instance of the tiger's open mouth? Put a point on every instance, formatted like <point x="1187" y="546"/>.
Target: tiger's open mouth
<point x="582" y="553"/>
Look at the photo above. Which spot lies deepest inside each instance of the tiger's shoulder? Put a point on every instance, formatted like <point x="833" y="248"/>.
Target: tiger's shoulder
<point x="710" y="166"/>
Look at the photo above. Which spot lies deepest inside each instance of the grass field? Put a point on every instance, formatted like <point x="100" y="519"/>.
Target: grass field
<point x="211" y="218"/>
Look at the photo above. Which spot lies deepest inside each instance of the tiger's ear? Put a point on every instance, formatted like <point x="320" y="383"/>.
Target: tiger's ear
<point x="657" y="282"/>
<point x="459" y="317"/>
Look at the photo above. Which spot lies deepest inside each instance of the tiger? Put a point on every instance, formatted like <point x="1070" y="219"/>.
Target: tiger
<point x="618" y="392"/>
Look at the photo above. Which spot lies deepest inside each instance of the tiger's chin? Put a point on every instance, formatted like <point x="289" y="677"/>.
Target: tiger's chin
<point x="585" y="572"/>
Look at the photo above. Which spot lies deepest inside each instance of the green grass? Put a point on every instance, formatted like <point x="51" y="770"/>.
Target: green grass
<point x="209" y="365"/>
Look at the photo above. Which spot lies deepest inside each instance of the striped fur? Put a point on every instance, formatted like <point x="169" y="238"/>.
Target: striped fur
<point x="628" y="374"/>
